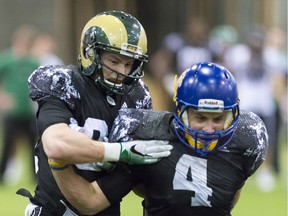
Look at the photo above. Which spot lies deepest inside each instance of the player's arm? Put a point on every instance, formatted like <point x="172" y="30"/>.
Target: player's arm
<point x="68" y="146"/>
<point x="86" y="197"/>
<point x="90" y="198"/>
<point x="63" y="144"/>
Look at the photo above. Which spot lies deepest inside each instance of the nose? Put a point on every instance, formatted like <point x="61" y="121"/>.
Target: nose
<point x="209" y="127"/>
<point x="121" y="68"/>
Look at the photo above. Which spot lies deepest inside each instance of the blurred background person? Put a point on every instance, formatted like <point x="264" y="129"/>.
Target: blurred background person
<point x="221" y="38"/>
<point x="44" y="48"/>
<point x="16" y="64"/>
<point x="275" y="55"/>
<point x="258" y="70"/>
<point x="178" y="51"/>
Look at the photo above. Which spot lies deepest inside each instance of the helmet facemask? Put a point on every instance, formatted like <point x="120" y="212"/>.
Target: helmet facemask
<point x="200" y="141"/>
<point x="122" y="83"/>
<point x="115" y="32"/>
<point x="208" y="88"/>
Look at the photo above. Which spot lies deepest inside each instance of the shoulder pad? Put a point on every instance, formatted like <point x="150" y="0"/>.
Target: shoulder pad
<point x="63" y="82"/>
<point x="141" y="96"/>
<point x="252" y="137"/>
<point x="141" y="124"/>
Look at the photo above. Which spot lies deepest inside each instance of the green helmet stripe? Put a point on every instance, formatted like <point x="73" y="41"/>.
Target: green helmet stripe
<point x="132" y="28"/>
<point x="102" y="37"/>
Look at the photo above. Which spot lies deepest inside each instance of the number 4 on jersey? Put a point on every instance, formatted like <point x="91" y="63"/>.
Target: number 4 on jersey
<point x="191" y="174"/>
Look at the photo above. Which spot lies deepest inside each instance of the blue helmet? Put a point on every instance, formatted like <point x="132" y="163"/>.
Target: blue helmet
<point x="206" y="87"/>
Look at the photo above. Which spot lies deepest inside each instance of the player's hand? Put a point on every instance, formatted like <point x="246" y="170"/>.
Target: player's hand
<point x="107" y="166"/>
<point x="137" y="151"/>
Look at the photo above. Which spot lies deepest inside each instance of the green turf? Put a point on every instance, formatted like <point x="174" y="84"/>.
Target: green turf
<point x="252" y="201"/>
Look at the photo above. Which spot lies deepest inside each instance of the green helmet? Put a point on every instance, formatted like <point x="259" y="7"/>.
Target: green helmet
<point x="116" y="32"/>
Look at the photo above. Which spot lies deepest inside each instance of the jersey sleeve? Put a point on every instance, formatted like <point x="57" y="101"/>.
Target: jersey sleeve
<point x="252" y="138"/>
<point x="143" y="124"/>
<point x="61" y="82"/>
<point x="52" y="111"/>
<point x="142" y="96"/>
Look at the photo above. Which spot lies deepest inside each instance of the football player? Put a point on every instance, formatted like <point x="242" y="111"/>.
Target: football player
<point x="112" y="51"/>
<point x="216" y="147"/>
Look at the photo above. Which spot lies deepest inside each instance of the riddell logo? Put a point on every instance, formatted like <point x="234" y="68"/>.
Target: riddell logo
<point x="211" y="103"/>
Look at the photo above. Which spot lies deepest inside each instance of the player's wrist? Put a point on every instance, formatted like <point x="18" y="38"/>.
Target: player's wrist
<point x="112" y="151"/>
<point x="56" y="165"/>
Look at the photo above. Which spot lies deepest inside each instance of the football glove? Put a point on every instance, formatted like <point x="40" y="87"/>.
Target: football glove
<point x="137" y="151"/>
<point x="107" y="166"/>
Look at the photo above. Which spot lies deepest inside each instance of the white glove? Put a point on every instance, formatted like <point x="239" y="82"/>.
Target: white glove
<point x="137" y="151"/>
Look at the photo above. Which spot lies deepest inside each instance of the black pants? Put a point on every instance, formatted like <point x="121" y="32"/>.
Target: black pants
<point x="13" y="128"/>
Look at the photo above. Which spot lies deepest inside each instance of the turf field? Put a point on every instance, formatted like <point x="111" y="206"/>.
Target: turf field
<point x="252" y="201"/>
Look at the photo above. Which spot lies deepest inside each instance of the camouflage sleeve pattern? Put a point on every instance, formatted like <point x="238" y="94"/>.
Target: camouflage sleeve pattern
<point x="56" y="81"/>
<point x="141" y="124"/>
<point x="145" y="102"/>
<point x="251" y="136"/>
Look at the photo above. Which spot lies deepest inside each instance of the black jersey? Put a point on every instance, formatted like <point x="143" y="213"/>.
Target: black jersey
<point x="186" y="183"/>
<point x="63" y="92"/>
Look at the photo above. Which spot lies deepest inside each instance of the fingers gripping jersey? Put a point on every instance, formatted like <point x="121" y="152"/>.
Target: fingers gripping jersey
<point x="187" y="184"/>
<point x="141" y="124"/>
<point x="62" y="92"/>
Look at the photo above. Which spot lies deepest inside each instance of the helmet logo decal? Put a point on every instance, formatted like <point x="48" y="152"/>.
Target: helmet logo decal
<point x="211" y="104"/>
<point x="182" y="76"/>
<point x="178" y="83"/>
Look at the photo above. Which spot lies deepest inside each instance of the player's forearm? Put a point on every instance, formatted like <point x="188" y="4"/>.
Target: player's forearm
<point x="86" y="197"/>
<point x="69" y="146"/>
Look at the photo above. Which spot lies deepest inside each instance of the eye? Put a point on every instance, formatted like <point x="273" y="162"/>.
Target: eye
<point x="113" y="61"/>
<point x="219" y="119"/>
<point x="200" y="118"/>
<point x="129" y="64"/>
